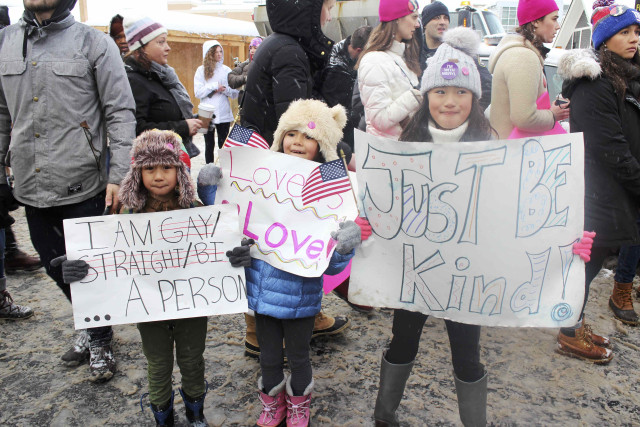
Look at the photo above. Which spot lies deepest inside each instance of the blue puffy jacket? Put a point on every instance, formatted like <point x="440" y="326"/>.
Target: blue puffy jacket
<point x="283" y="295"/>
<point x="277" y="293"/>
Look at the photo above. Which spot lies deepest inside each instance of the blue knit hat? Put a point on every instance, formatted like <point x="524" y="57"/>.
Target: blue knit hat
<point x="607" y="21"/>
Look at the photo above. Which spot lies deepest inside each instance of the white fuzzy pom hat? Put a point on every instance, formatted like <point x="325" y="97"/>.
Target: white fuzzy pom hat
<point x="453" y="64"/>
<point x="315" y="119"/>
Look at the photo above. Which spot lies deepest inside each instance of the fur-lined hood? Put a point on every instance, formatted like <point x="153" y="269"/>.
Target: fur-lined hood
<point x="152" y="148"/>
<point x="315" y="119"/>
<point x="578" y="64"/>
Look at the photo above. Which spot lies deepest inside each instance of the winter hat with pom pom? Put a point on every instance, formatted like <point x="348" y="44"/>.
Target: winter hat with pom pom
<point x="610" y="19"/>
<point x="315" y="119"/>
<point x="530" y="10"/>
<point x="453" y="63"/>
<point x="155" y="148"/>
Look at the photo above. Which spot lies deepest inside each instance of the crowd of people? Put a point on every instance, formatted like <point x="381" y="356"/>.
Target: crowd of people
<point x="114" y="134"/>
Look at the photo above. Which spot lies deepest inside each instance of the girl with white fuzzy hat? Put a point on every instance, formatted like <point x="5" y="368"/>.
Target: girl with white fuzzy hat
<point x="285" y="304"/>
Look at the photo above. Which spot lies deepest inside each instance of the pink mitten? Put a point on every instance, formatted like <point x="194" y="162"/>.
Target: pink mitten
<point x="583" y="247"/>
<point x="365" y="228"/>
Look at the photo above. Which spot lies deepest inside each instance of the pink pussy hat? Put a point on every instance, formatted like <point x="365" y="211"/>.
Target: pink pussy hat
<point x="390" y="10"/>
<point x="530" y="10"/>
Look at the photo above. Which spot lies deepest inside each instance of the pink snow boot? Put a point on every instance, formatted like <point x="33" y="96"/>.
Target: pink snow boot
<point x="274" y="407"/>
<point x="298" y="414"/>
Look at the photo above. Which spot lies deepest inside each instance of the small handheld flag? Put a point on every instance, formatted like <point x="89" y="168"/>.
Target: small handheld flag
<point x="326" y="180"/>
<point x="240" y="136"/>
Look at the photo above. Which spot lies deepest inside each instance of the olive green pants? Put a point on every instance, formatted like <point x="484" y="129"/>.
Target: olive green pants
<point x="158" y="339"/>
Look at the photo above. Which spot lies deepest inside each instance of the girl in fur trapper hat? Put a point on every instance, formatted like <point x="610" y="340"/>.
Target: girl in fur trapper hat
<point x="158" y="179"/>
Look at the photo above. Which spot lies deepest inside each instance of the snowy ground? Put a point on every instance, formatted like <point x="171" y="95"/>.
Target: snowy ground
<point x="529" y="384"/>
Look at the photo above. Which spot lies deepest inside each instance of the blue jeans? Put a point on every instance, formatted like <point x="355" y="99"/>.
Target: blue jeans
<point x="627" y="263"/>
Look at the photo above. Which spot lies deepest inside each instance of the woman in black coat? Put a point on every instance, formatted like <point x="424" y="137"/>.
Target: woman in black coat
<point x="603" y="85"/>
<point x="162" y="102"/>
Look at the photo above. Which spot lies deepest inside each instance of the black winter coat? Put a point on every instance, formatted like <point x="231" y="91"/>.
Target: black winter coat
<point x="156" y="108"/>
<point x="285" y="63"/>
<point x="335" y="84"/>
<point x="611" y="127"/>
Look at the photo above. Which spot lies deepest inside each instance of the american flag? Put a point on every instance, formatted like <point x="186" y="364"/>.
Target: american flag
<point x="326" y="180"/>
<point x="240" y="136"/>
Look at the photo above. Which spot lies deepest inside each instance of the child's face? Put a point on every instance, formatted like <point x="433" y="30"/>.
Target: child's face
<point x="160" y="180"/>
<point x="450" y="106"/>
<point x="299" y="144"/>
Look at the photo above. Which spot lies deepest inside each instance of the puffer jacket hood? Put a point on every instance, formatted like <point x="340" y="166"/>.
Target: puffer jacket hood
<point x="62" y="11"/>
<point x="511" y="41"/>
<point x="210" y="44"/>
<point x="300" y="19"/>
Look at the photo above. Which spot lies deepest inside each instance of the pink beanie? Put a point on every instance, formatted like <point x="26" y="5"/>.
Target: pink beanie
<point x="390" y="10"/>
<point x="530" y="10"/>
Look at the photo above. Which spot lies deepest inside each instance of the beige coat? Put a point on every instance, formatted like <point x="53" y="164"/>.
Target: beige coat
<point x="518" y="81"/>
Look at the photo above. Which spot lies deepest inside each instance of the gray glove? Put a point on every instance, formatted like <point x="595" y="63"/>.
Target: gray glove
<point x="348" y="236"/>
<point x="209" y="175"/>
<point x="239" y="256"/>
<point x="72" y="271"/>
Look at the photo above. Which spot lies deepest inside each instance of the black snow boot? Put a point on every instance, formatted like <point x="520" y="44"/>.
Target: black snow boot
<point x="163" y="414"/>
<point x="194" y="409"/>
<point x="472" y="401"/>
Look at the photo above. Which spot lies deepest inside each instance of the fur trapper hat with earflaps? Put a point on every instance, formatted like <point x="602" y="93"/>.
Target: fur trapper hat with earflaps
<point x="315" y="119"/>
<point x="153" y="148"/>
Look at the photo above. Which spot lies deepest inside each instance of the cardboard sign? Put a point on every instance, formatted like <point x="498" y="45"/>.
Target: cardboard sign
<point x="477" y="232"/>
<point x="267" y="186"/>
<point x="156" y="266"/>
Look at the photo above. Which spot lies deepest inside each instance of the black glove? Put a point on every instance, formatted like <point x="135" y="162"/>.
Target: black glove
<point x="6" y="203"/>
<point x="72" y="271"/>
<point x="239" y="256"/>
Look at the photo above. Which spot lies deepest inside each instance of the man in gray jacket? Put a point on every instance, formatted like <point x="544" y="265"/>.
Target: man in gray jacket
<point x="62" y="90"/>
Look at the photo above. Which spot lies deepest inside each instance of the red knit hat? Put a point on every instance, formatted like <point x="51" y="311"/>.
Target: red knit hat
<point x="530" y="10"/>
<point x="390" y="10"/>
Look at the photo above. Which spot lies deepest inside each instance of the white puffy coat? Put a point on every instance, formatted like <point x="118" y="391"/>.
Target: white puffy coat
<point x="205" y="88"/>
<point x="387" y="89"/>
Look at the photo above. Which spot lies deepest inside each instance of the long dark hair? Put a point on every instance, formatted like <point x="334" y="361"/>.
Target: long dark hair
<point x="417" y="130"/>
<point x="618" y="70"/>
<point x="140" y="57"/>
<point x="381" y="39"/>
<point x="528" y="32"/>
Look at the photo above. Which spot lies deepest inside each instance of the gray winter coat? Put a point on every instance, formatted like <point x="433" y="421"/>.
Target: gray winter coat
<point x="63" y="93"/>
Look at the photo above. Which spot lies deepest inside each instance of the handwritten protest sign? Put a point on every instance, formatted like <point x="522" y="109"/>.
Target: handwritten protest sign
<point x="156" y="266"/>
<point x="478" y="232"/>
<point x="289" y="234"/>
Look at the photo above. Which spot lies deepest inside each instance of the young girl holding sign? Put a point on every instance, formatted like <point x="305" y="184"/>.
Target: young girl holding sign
<point x="159" y="181"/>
<point x="285" y="304"/>
<point x="450" y="113"/>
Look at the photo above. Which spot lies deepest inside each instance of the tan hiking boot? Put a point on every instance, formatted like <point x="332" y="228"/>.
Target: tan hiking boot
<point x="327" y="325"/>
<point x="581" y="347"/>
<point x="251" y="346"/>
<point x="621" y="304"/>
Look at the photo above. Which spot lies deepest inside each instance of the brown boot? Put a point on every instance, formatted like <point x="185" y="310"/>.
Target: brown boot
<point x="251" y="346"/>
<point x="16" y="260"/>
<point x="327" y="325"/>
<point x="621" y="304"/>
<point x="581" y="347"/>
<point x="599" y="340"/>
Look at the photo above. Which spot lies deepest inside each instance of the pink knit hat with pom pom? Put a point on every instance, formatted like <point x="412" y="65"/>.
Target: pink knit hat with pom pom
<point x="530" y="10"/>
